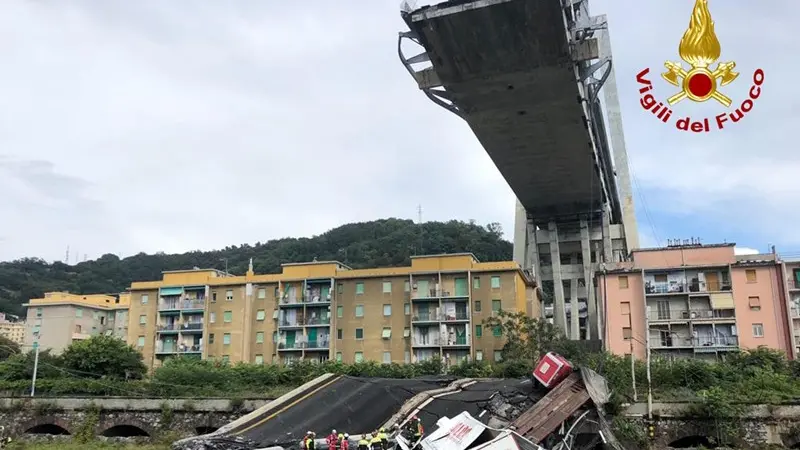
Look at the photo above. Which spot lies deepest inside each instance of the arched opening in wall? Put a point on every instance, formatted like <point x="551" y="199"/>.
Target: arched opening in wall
<point x="124" y="431"/>
<point x="692" y="442"/>
<point x="205" y="430"/>
<point x="48" y="428"/>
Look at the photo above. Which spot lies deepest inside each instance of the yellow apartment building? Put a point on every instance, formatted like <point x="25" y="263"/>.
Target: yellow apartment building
<point x="323" y="309"/>
<point x="60" y="318"/>
<point x="12" y="330"/>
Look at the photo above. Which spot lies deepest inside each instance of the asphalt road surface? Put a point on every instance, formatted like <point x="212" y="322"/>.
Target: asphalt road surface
<point x="348" y="404"/>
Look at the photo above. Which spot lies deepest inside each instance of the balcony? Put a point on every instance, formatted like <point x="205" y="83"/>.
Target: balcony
<point x="684" y="315"/>
<point x="293" y="323"/>
<point x="426" y="294"/>
<point x="427" y="317"/>
<point x="173" y="348"/>
<point x="318" y="321"/>
<point x="795" y="311"/>
<point x="682" y="287"/>
<point x="320" y="344"/>
<point x="168" y="328"/>
<point x="289" y="302"/>
<point x="283" y="345"/>
<point x="714" y="343"/>
<point x="183" y="304"/>
<point x="429" y="342"/>
<point x="663" y="287"/>
<point x="193" y="327"/>
<point x="459" y="316"/>
<point x="793" y="284"/>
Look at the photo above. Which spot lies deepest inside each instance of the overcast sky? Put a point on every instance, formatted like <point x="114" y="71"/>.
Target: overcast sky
<point x="148" y="125"/>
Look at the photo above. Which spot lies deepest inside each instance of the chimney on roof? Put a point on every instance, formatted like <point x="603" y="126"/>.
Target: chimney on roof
<point x="250" y="268"/>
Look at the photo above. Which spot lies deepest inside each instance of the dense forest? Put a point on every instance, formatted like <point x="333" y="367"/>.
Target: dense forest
<point x="380" y="243"/>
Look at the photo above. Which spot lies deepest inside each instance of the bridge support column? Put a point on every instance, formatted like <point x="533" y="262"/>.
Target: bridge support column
<point x="559" y="306"/>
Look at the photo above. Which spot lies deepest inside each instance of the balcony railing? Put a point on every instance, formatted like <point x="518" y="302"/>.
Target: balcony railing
<point x="288" y="300"/>
<point x="291" y="345"/>
<point x="793" y="284"/>
<point x="193" y="304"/>
<point x="426" y="342"/>
<point x="459" y="315"/>
<point x="178" y="348"/>
<point x="318" y="321"/>
<point x="291" y="323"/>
<point x="795" y="311"/>
<point x="719" y="341"/>
<point x="318" y="344"/>
<point x="666" y="287"/>
<point x="682" y="314"/>
<point x="192" y="326"/>
<point x="427" y="293"/>
<point x="181" y="304"/>
<point x="169" y="327"/>
<point x="427" y="317"/>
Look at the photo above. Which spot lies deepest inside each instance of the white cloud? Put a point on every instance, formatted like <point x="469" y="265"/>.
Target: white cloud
<point x="745" y="251"/>
<point x="146" y="126"/>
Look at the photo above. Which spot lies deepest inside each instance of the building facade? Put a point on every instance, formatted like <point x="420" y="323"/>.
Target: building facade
<point x="694" y="301"/>
<point x="326" y="310"/>
<point x="12" y="328"/>
<point x="790" y="269"/>
<point x="61" y="318"/>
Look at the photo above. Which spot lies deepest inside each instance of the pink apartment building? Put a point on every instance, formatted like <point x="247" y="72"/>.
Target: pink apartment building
<point x="696" y="301"/>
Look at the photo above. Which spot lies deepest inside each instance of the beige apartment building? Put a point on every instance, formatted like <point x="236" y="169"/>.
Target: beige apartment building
<point x="60" y="318"/>
<point x="323" y="310"/>
<point x="12" y="329"/>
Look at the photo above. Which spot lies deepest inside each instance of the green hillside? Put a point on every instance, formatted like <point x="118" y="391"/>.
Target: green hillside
<point x="379" y="243"/>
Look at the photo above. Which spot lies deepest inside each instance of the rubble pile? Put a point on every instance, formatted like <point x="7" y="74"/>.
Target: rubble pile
<point x="214" y="442"/>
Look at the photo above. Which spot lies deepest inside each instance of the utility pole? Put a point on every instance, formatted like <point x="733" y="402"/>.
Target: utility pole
<point x="226" y="265"/>
<point x="419" y="214"/>
<point x="35" y="365"/>
<point x="649" y="379"/>
<point x="633" y="373"/>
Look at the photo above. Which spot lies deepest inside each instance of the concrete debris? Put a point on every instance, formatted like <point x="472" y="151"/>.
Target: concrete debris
<point x="214" y="442"/>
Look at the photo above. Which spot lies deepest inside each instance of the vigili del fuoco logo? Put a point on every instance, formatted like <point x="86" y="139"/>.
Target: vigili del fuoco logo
<point x="700" y="49"/>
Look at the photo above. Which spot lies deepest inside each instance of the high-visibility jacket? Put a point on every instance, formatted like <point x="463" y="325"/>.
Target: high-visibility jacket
<point x="375" y="443"/>
<point x="363" y="444"/>
<point x="310" y="444"/>
<point x="418" y="431"/>
<point x="384" y="440"/>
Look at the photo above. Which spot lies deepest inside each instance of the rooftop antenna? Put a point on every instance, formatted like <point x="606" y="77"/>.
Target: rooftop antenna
<point x="66" y="258"/>
<point x="419" y="213"/>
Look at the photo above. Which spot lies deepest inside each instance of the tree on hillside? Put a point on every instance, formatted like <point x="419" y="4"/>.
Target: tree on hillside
<point x="379" y="243"/>
<point x="104" y="356"/>
<point x="8" y="348"/>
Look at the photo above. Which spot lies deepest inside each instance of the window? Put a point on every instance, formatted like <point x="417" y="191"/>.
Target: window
<point x="339" y="354"/>
<point x="211" y="338"/>
<point x="36" y="330"/>
<point x="495" y="282"/>
<point x="387" y="357"/>
<point x="227" y="316"/>
<point x="96" y="315"/>
<point x="407" y="309"/>
<point x="477" y="306"/>
<point x="339" y="311"/>
<point x="260" y="337"/>
<point x="214" y="297"/>
<point x="750" y="274"/>
<point x="229" y="295"/>
<point x="478" y="331"/>
<point x="142" y="319"/>
<point x="627" y="333"/>
<point x="359" y="333"/>
<point x="406" y="332"/>
<point x="387" y="287"/>
<point x="226" y="339"/>
<point x="140" y="342"/>
<point x="625" y="308"/>
<point x="387" y="333"/>
<point x="498" y="355"/>
<point x="145" y="299"/>
<point x="476" y="283"/>
<point x="359" y="357"/>
<point x="406" y="286"/>
<point x="623" y="281"/>
<point x="359" y="288"/>
<point x="497" y="331"/>
<point x="212" y="317"/>
<point x="259" y="359"/>
<point x="479" y="355"/>
<point x="387" y="310"/>
<point x="754" y="303"/>
<point x="261" y="314"/>
<point x="38" y="312"/>
<point x="758" y="330"/>
<point x="496" y="306"/>
<point x="339" y="288"/>
<point x="339" y="333"/>
<point x="274" y="336"/>
<point x="262" y="293"/>
<point x="359" y="310"/>
<point x="79" y="313"/>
